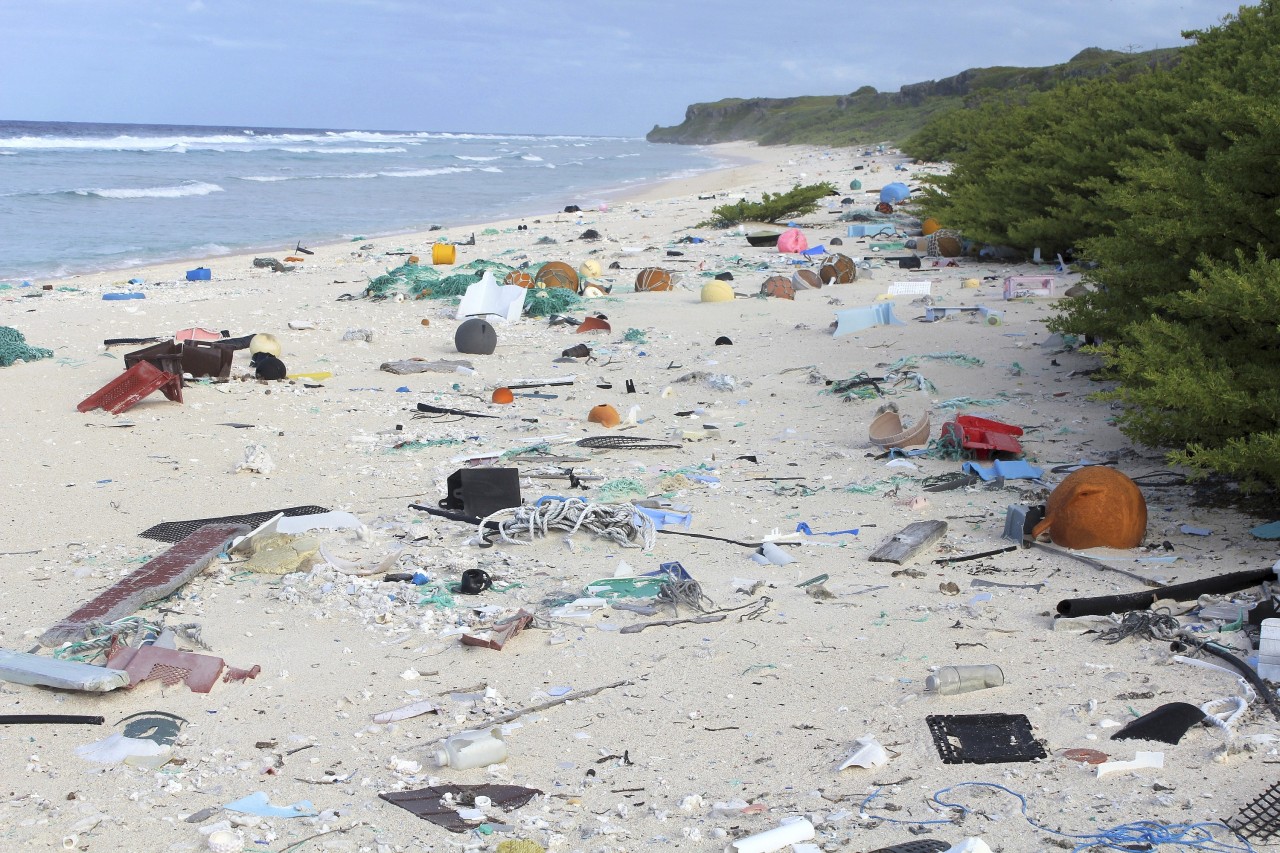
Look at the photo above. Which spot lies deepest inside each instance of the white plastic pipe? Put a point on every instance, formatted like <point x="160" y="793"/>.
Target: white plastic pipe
<point x="790" y="832"/>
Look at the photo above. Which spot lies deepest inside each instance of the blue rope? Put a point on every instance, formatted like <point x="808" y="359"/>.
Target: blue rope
<point x="1136" y="835"/>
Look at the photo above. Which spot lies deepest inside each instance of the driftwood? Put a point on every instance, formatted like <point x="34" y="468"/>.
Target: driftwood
<point x="909" y="541"/>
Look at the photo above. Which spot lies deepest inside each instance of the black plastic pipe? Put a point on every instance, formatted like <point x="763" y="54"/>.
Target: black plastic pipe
<point x="1105" y="605"/>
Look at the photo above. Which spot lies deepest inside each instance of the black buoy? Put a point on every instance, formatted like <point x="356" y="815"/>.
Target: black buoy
<point x="723" y="341"/>
<point x="476" y="336"/>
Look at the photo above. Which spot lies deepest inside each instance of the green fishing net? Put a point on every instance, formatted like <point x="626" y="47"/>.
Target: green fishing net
<point x="13" y="347"/>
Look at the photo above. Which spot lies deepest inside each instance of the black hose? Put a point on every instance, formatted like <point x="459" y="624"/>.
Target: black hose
<point x="30" y="719"/>
<point x="1243" y="668"/>
<point x="1107" y="604"/>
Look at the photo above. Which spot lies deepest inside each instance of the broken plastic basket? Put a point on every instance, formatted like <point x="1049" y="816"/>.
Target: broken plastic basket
<point x="127" y="389"/>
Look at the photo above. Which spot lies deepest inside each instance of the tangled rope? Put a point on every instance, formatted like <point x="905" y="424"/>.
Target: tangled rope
<point x="1148" y="624"/>
<point x="1137" y="835"/>
<point x="619" y="523"/>
<point x="129" y="631"/>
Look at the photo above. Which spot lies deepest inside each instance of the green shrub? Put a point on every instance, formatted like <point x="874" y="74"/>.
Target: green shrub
<point x="773" y="207"/>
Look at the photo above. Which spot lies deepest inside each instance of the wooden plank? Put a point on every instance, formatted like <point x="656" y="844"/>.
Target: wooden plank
<point x="909" y="541"/>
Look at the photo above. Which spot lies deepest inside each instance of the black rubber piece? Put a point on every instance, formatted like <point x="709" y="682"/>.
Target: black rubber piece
<point x="1166" y="724"/>
<point x="984" y="738"/>
<point x="1105" y="605"/>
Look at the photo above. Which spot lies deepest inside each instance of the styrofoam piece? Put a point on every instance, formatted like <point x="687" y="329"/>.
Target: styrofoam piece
<point x="970" y="845"/>
<point x="115" y="748"/>
<point x="911" y="288"/>
<point x="852" y="320"/>
<point x="39" y="671"/>
<point x="336" y="520"/>
<point x="868" y="753"/>
<point x="1141" y="761"/>
<point x="487" y="298"/>
<point x="1269" y="650"/>
<point x="791" y="831"/>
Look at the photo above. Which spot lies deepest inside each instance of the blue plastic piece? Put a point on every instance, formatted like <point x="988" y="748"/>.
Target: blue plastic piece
<point x="872" y="229"/>
<point x="1270" y="530"/>
<point x="199" y="274"/>
<point x="895" y="192"/>
<point x="802" y="527"/>
<point x="816" y="250"/>
<point x="1015" y="469"/>
<point x="665" y="518"/>
<point x="672" y="568"/>
<point x="258" y="804"/>
<point x="116" y="297"/>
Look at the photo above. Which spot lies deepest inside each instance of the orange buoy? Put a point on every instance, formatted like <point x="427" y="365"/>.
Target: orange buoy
<point x="779" y="287"/>
<point x="557" y="274"/>
<point x="519" y="278"/>
<point x="929" y="226"/>
<point x="502" y="396"/>
<point x="605" y="415"/>
<point x="426" y="322"/>
<point x="653" y="278"/>
<point x="594" y="323"/>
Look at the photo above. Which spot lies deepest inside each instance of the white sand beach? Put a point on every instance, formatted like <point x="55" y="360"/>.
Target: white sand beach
<point x="718" y="729"/>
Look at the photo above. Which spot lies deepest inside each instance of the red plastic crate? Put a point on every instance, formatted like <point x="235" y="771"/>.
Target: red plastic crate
<point x="983" y="436"/>
<point x="127" y="389"/>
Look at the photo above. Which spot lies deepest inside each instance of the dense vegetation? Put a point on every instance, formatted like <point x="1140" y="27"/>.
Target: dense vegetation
<point x="772" y="207"/>
<point x="1169" y="185"/>
<point x="867" y="116"/>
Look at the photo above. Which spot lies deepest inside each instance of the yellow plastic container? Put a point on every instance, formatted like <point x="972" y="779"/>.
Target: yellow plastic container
<point x="443" y="253"/>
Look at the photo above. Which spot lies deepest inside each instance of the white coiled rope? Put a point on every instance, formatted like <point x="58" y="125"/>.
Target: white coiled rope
<point x="619" y="523"/>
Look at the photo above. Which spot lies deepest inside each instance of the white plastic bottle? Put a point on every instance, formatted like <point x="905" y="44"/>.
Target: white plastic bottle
<point x="466" y="750"/>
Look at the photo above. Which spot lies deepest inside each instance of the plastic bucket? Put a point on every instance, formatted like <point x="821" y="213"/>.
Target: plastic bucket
<point x="443" y="253"/>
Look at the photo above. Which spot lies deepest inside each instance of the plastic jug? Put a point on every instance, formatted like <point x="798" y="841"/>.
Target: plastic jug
<point x="962" y="679"/>
<point x="466" y="750"/>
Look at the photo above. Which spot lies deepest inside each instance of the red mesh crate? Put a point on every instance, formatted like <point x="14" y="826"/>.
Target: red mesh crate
<point x="127" y="389"/>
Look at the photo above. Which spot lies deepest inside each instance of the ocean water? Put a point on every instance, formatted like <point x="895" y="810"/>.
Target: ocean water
<point x="78" y="197"/>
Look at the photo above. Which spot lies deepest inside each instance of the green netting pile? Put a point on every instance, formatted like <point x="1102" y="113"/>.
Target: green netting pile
<point x="13" y="347"/>
<point x="426" y="282"/>
<point x="402" y="278"/>
<point x="551" y="300"/>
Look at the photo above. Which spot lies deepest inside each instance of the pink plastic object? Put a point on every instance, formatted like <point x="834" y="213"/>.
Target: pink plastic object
<point x="195" y="333"/>
<point x="983" y="436"/>
<point x="129" y="388"/>
<point x="792" y="241"/>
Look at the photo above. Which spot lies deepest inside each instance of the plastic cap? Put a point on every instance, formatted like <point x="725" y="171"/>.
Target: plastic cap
<point x="441" y="758"/>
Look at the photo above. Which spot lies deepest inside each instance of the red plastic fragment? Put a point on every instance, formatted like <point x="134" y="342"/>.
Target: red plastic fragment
<point x="168" y="666"/>
<point x="234" y="674"/>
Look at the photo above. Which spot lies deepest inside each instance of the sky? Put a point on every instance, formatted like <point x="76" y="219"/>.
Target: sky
<point x="609" y="67"/>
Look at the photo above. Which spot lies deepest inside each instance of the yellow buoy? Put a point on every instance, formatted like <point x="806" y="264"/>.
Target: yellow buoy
<point x="717" y="291"/>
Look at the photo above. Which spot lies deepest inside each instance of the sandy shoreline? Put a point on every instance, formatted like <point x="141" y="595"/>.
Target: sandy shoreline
<point x="761" y="707"/>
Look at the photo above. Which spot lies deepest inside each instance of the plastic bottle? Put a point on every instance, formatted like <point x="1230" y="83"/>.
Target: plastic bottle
<point x="466" y="750"/>
<point x="961" y="679"/>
